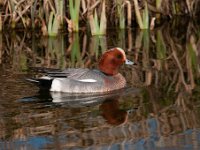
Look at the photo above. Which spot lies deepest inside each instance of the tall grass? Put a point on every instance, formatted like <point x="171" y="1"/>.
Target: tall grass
<point x="33" y="10"/>
<point x="53" y="24"/>
<point x="158" y="4"/>
<point x="1" y="47"/>
<point x="120" y="12"/>
<point x="74" y="8"/>
<point x="56" y="18"/>
<point x="192" y="62"/>
<point x="38" y="14"/>
<point x="59" y="5"/>
<point x="1" y="23"/>
<point x="142" y="16"/>
<point x="98" y="26"/>
<point x="121" y="4"/>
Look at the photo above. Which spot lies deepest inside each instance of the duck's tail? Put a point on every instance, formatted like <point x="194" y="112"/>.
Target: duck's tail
<point x="42" y="83"/>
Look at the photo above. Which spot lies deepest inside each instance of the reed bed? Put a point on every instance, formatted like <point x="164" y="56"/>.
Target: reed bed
<point x="51" y="16"/>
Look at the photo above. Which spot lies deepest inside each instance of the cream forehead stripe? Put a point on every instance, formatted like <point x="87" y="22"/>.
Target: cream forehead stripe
<point x="119" y="49"/>
<point x="122" y="51"/>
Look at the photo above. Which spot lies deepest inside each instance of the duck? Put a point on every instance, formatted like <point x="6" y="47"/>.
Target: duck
<point x="83" y="80"/>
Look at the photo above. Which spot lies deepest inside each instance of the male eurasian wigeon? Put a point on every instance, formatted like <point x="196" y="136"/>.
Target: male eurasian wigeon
<point x="105" y="79"/>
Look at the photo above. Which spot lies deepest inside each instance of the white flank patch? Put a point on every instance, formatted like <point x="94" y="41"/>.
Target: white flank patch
<point x="88" y="80"/>
<point x="46" y="78"/>
<point x="56" y="85"/>
<point x="57" y="101"/>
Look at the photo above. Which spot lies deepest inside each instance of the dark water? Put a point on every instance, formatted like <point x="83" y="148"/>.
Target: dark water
<point x="158" y="111"/>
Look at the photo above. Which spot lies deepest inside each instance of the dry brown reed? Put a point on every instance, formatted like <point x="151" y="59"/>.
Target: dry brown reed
<point x="35" y="14"/>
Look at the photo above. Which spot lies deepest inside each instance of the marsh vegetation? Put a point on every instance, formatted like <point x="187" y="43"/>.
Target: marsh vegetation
<point x="54" y="16"/>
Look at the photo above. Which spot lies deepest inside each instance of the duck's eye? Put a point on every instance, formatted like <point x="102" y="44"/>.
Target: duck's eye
<point x="119" y="56"/>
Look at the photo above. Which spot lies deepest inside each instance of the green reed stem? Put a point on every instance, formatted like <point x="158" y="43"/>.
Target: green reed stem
<point x="12" y="9"/>
<point x="33" y="9"/>
<point x="1" y="23"/>
<point x="174" y="7"/>
<point x="158" y="4"/>
<point x="53" y="25"/>
<point x="145" y="16"/>
<point x="138" y="15"/>
<point x="103" y="20"/>
<point x="120" y="12"/>
<point x="60" y="9"/>
<point x="160" y="46"/>
<point x="146" y="42"/>
<point x="96" y="27"/>
<point x="74" y="8"/>
<point x="192" y="57"/>
<point x="144" y="20"/>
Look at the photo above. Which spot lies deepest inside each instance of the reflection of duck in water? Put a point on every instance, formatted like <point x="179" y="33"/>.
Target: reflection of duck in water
<point x="109" y="106"/>
<point x="111" y="112"/>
